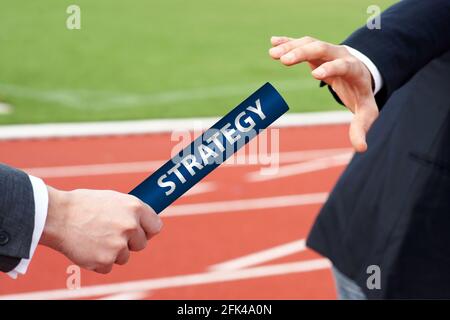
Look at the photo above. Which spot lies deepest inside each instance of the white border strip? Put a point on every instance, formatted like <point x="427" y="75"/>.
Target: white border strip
<point x="64" y="130"/>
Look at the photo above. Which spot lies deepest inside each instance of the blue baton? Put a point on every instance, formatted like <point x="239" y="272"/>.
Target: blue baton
<point x="213" y="147"/>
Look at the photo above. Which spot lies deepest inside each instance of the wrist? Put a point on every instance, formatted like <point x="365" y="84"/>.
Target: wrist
<point x="58" y="205"/>
<point x="377" y="80"/>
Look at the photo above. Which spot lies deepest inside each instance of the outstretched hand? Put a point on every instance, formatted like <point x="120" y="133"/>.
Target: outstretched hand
<point x="336" y="66"/>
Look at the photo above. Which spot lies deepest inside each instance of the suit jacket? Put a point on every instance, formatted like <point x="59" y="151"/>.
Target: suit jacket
<point x="391" y="206"/>
<point x="16" y="217"/>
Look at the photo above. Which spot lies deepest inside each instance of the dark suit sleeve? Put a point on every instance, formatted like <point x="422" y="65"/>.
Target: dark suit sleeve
<point x="413" y="32"/>
<point x="16" y="217"/>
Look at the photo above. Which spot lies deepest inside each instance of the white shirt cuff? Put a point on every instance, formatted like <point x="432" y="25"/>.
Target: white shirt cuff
<point x="376" y="75"/>
<point x="40" y="194"/>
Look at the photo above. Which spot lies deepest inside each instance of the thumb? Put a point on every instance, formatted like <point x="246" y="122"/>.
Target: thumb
<point x="364" y="117"/>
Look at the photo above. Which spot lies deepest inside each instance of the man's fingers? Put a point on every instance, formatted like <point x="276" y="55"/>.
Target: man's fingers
<point x="150" y="222"/>
<point x="104" y="269"/>
<point x="138" y="241"/>
<point x="349" y="78"/>
<point x="316" y="50"/>
<point x="335" y="68"/>
<point x="280" y="50"/>
<point x="276" y="40"/>
<point x="123" y="256"/>
<point x="358" y="135"/>
<point x="364" y="117"/>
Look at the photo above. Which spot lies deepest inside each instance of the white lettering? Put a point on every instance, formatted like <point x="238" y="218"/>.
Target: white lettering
<point x="177" y="173"/>
<point x="247" y="120"/>
<point x="228" y="133"/>
<point x="190" y="165"/>
<point x="206" y="152"/>
<point x="257" y="109"/>
<point x="164" y="184"/>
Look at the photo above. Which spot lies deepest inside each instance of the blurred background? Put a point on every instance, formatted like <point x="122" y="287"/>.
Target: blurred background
<point x="138" y="59"/>
<point x="150" y="59"/>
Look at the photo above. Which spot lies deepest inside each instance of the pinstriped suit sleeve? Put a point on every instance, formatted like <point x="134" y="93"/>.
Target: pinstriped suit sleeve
<point x="17" y="214"/>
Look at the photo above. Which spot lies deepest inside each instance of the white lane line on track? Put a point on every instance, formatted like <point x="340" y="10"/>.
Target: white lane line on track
<point x="136" y="127"/>
<point x="303" y="167"/>
<point x="94" y="169"/>
<point x="149" y="166"/>
<point x="132" y="295"/>
<point x="201" y="187"/>
<point x="235" y="269"/>
<point x="245" y="204"/>
<point x="261" y="256"/>
<point x="234" y="264"/>
<point x="176" y="281"/>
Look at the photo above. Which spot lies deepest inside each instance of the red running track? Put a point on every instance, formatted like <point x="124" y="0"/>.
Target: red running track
<point x="261" y="223"/>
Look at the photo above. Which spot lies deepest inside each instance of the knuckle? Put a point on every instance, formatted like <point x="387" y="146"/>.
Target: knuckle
<point x="307" y="38"/>
<point x="297" y="53"/>
<point x="287" y="46"/>
<point x="135" y="205"/>
<point x="332" y="66"/>
<point x="349" y="63"/>
<point x="154" y="229"/>
<point x="352" y="60"/>
<point x="120" y="245"/>
<point x="344" y="50"/>
<point x="321" y="47"/>
<point x="106" y="260"/>
<point x="159" y="226"/>
<point x="346" y="64"/>
<point x="130" y="225"/>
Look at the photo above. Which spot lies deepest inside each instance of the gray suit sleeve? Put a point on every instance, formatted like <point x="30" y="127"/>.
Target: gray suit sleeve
<point x="16" y="217"/>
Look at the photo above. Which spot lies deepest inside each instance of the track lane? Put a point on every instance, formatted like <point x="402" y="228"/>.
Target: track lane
<point x="190" y="244"/>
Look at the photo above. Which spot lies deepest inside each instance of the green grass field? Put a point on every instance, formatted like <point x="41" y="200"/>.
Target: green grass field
<point x="158" y="58"/>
